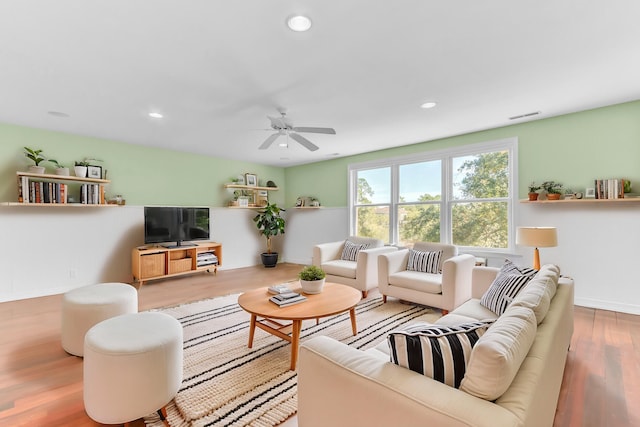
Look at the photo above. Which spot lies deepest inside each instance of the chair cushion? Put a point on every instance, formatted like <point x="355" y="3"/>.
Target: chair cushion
<point x="439" y="352"/>
<point x="424" y="261"/>
<point x="339" y="267"/>
<point x="424" y="282"/>
<point x="350" y="250"/>
<point x="498" y="354"/>
<point x="509" y="281"/>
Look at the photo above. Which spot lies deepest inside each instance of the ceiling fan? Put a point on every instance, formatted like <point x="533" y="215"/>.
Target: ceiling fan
<point x="282" y="126"/>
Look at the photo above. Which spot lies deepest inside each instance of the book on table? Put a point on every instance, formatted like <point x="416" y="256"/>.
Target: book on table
<point x="288" y="298"/>
<point x="279" y="289"/>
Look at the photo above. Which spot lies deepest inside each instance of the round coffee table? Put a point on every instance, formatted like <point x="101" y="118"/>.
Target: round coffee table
<point x="333" y="299"/>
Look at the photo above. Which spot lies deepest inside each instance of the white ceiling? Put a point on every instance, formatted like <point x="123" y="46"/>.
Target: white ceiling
<point x="216" y="69"/>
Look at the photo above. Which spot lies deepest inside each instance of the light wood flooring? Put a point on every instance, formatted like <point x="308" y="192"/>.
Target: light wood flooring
<point x="41" y="385"/>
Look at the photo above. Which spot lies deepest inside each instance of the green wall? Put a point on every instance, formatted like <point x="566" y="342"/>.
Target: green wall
<point x="573" y="149"/>
<point x="142" y="175"/>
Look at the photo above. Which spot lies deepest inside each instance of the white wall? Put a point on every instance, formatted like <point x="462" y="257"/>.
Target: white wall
<point x="50" y="250"/>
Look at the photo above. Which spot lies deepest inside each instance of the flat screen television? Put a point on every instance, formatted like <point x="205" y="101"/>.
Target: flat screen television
<point x="169" y="224"/>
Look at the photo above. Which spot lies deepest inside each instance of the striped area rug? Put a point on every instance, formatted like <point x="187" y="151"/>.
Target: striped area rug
<point x="227" y="384"/>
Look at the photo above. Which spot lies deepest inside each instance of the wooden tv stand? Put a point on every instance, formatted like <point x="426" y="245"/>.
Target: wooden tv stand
<point x="159" y="262"/>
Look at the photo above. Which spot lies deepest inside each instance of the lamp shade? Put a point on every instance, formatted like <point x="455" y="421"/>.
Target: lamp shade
<point x="538" y="237"/>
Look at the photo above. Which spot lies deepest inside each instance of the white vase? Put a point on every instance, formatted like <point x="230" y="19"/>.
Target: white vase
<point x="36" y="169"/>
<point x="80" y="171"/>
<point x="311" y="286"/>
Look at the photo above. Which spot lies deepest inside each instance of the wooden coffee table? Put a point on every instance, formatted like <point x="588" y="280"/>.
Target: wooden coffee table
<point x="333" y="299"/>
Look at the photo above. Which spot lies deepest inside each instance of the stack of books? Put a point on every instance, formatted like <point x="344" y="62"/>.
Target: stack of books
<point x="287" y="298"/>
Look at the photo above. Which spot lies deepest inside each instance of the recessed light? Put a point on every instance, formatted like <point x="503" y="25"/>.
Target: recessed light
<point x="428" y="105"/>
<point x="57" y="114"/>
<point x="156" y="115"/>
<point x="299" y="23"/>
<point x="283" y="144"/>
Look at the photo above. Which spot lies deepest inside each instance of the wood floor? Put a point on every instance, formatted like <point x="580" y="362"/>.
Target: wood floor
<point x="41" y="385"/>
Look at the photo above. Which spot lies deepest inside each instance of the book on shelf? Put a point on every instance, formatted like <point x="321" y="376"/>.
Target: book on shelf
<point x="286" y="299"/>
<point x="609" y="188"/>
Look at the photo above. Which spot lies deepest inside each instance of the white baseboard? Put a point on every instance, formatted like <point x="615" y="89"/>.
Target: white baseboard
<point x="300" y="261"/>
<point x="608" y="305"/>
<point x="34" y="294"/>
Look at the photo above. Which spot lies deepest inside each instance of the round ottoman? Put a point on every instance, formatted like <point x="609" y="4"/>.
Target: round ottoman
<point x="84" y="307"/>
<point x="132" y="366"/>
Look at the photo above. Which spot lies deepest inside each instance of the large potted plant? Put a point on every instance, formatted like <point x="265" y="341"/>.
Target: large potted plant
<point x="270" y="224"/>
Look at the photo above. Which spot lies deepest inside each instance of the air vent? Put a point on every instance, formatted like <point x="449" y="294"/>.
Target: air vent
<point x="522" y="116"/>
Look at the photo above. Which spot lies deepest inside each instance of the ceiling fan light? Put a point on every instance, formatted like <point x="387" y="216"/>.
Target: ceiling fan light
<point x="283" y="144"/>
<point x="155" y="115"/>
<point x="428" y="105"/>
<point x="299" y="23"/>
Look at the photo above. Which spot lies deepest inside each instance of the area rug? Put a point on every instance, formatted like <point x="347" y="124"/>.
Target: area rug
<point x="227" y="384"/>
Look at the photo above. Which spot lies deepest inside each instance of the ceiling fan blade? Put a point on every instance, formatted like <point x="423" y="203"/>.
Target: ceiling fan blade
<point x="329" y="131"/>
<point x="267" y="142"/>
<point x="304" y="141"/>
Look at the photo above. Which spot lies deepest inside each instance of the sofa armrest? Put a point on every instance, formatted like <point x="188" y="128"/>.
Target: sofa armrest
<point x="367" y="269"/>
<point x="456" y="280"/>
<point x="341" y="386"/>
<point x="326" y="252"/>
<point x="481" y="279"/>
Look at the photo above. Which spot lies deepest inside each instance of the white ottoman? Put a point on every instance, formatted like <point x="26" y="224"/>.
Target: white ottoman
<point x="84" y="307"/>
<point x="132" y="366"/>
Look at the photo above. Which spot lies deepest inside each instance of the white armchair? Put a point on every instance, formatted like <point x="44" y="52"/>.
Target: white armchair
<point x="446" y="290"/>
<point x="361" y="274"/>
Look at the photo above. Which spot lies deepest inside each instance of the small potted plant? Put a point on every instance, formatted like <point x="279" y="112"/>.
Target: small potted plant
<point x="533" y="191"/>
<point x="270" y="224"/>
<point x="60" y="169"/>
<point x="312" y="279"/>
<point x="37" y="158"/>
<point x="80" y="168"/>
<point x="553" y="189"/>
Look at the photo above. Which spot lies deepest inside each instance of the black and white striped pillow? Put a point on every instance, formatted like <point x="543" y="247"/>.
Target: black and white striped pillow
<point x="439" y="352"/>
<point x="507" y="284"/>
<point x="426" y="262"/>
<point x="350" y="250"/>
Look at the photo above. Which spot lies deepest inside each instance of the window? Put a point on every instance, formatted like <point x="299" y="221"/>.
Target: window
<point x="462" y="196"/>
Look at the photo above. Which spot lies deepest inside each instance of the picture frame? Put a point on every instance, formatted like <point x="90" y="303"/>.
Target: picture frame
<point x="590" y="193"/>
<point x="94" y="172"/>
<point x="251" y="179"/>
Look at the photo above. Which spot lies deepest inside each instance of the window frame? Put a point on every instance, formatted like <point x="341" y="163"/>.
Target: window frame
<point x="447" y="201"/>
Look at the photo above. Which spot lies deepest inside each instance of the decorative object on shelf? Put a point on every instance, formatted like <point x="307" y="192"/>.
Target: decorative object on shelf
<point x="37" y="157"/>
<point x="533" y="191"/>
<point x="270" y="224"/>
<point x="553" y="189"/>
<point x="315" y="203"/>
<point x="311" y="279"/>
<point x="626" y="186"/>
<point x="590" y="193"/>
<point x="60" y="169"/>
<point x="94" y="172"/>
<point x="251" y="179"/>
<point x="271" y="184"/>
<point x="299" y="202"/>
<point x="537" y="237"/>
<point x="81" y="167"/>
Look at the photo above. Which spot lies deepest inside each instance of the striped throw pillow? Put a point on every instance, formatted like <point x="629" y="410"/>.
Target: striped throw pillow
<point x="439" y="352"/>
<point x="426" y="262"/>
<point x="350" y="250"/>
<point x="507" y="284"/>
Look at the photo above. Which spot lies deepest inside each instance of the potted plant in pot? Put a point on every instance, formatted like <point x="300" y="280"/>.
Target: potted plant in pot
<point x="533" y="191"/>
<point x="270" y="224"/>
<point x="37" y="158"/>
<point x="311" y="279"/>
<point x="553" y="189"/>
<point x="60" y="169"/>
<point x="80" y="168"/>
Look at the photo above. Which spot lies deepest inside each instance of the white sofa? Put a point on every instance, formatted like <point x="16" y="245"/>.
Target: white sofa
<point x="361" y="274"/>
<point x="446" y="290"/>
<point x="341" y="386"/>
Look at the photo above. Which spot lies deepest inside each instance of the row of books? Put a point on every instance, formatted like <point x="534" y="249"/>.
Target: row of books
<point x="91" y="194"/>
<point x="609" y="188"/>
<point x="287" y="298"/>
<point x="206" y="258"/>
<point x="42" y="192"/>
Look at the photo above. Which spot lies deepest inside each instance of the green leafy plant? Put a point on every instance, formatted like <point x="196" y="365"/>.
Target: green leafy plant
<point x="56" y="163"/>
<point x="270" y="223"/>
<point x="35" y="155"/>
<point x="552" y="187"/>
<point x="311" y="272"/>
<point x="533" y="187"/>
<point x="86" y="161"/>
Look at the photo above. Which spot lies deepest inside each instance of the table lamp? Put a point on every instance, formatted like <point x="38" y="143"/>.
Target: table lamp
<point x="537" y="237"/>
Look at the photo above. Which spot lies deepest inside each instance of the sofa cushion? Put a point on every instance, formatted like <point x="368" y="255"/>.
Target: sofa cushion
<point x="424" y="261"/>
<point x="498" y="354"/>
<point x="472" y="308"/>
<point x="340" y="268"/>
<point x="509" y="281"/>
<point x="538" y="293"/>
<point x="438" y="352"/>
<point x="350" y="250"/>
<point x="424" y="282"/>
